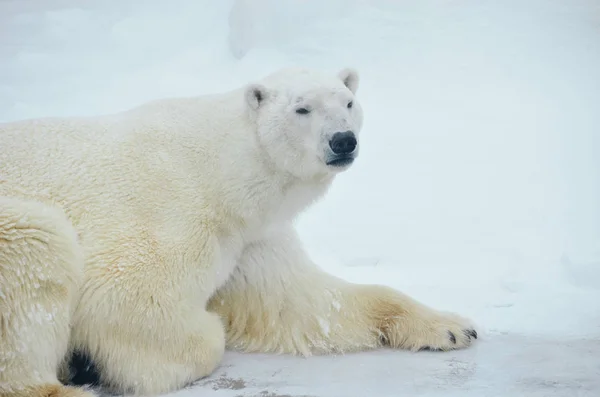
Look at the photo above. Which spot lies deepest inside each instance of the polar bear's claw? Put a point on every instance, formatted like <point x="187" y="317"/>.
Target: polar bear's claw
<point x="452" y="337"/>
<point x="471" y="333"/>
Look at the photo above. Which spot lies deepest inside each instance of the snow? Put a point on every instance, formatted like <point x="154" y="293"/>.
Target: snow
<point x="478" y="185"/>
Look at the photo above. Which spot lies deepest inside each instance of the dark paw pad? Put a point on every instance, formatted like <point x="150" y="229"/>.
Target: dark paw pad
<point x="470" y="333"/>
<point x="83" y="371"/>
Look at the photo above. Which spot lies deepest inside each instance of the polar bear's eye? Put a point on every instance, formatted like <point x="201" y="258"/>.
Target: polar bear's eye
<point x="302" y="111"/>
<point x="350" y="104"/>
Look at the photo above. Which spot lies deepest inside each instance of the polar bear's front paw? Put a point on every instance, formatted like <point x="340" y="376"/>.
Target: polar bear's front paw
<point x="428" y="331"/>
<point x="457" y="337"/>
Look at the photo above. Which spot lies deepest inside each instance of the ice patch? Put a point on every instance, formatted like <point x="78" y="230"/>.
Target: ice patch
<point x="325" y="326"/>
<point x="336" y="304"/>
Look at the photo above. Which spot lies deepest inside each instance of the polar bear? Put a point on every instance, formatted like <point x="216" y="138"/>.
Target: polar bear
<point x="153" y="239"/>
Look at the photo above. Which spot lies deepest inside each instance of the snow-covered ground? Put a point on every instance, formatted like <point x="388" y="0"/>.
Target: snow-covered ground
<point x="478" y="185"/>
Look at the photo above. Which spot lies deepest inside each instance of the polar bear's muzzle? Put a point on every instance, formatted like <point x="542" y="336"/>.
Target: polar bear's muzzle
<point x="343" y="149"/>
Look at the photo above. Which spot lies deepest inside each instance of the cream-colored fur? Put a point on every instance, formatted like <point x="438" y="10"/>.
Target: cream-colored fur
<point x="116" y="232"/>
<point x="278" y="301"/>
<point x="41" y="266"/>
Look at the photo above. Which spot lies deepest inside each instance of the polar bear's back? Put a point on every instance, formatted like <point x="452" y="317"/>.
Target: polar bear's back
<point x="86" y="167"/>
<point x="40" y="154"/>
<point x="110" y="172"/>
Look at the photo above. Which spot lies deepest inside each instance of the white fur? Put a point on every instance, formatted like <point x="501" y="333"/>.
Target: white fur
<point x="150" y="221"/>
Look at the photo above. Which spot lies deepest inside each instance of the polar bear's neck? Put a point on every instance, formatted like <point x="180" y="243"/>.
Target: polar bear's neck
<point x="262" y="195"/>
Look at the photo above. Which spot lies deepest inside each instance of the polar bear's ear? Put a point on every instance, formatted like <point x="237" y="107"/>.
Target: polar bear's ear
<point x="350" y="78"/>
<point x="256" y="95"/>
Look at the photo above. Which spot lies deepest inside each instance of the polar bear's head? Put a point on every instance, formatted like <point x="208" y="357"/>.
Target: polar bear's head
<point x="307" y="123"/>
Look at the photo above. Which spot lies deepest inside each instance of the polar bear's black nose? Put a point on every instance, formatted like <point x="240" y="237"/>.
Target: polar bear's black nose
<point x="343" y="142"/>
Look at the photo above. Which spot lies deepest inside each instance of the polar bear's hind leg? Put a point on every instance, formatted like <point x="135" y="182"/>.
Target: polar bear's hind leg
<point x="40" y="270"/>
